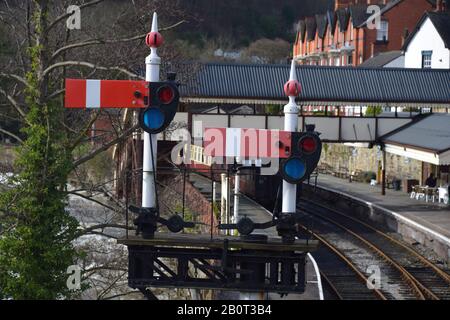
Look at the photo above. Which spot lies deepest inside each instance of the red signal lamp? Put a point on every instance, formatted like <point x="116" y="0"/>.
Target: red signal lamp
<point x="308" y="144"/>
<point x="166" y="94"/>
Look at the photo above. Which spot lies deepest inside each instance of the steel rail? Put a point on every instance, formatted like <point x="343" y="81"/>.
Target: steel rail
<point x="445" y="276"/>
<point x="345" y="259"/>
<point x="419" y="289"/>
<point x="330" y="284"/>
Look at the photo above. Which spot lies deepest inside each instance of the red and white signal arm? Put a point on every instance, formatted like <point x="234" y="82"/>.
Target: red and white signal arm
<point x="95" y="94"/>
<point x="247" y="143"/>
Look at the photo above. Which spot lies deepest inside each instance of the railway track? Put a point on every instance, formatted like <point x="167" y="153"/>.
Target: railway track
<point x="341" y="279"/>
<point x="406" y="273"/>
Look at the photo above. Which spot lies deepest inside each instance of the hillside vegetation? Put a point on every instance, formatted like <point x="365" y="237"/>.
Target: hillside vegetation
<point x="257" y="30"/>
<point x="243" y="22"/>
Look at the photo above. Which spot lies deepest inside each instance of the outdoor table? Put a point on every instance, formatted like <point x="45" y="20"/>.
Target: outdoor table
<point x="424" y="192"/>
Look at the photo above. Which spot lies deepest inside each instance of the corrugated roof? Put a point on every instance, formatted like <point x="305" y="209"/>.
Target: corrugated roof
<point x="432" y="133"/>
<point x="381" y="59"/>
<point x="323" y="84"/>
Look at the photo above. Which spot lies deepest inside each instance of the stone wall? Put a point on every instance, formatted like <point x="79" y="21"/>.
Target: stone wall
<point x="340" y="156"/>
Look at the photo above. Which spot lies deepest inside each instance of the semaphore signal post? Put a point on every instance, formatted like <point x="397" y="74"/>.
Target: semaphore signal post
<point x="248" y="262"/>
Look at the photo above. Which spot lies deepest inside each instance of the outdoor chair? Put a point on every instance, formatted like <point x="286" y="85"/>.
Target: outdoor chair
<point x="430" y="194"/>
<point x="443" y="195"/>
<point x="414" y="192"/>
<point x="419" y="192"/>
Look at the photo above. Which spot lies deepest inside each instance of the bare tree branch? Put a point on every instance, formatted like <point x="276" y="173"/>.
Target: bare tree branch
<point x="121" y="295"/>
<point x="85" y="130"/>
<point x="14" y="103"/>
<point x="105" y="147"/>
<point x="104" y="226"/>
<point x="89" y="65"/>
<point x="11" y="135"/>
<point x="67" y="15"/>
<point x="108" y="41"/>
<point x="92" y="199"/>
<point x="56" y="93"/>
<point x="108" y="289"/>
<point x="100" y="234"/>
<point x="15" y="77"/>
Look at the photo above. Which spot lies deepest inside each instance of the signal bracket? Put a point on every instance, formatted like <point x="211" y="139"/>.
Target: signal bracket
<point x="148" y="218"/>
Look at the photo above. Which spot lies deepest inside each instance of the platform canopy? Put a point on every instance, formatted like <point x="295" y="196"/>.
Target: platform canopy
<point x="426" y="140"/>
<point x="325" y="86"/>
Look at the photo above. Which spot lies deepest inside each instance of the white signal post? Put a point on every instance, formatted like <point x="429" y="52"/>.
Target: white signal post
<point x="291" y="89"/>
<point x="152" y="69"/>
<point x="236" y="198"/>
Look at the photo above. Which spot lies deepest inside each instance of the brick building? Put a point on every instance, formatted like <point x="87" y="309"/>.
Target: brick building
<point x="347" y="37"/>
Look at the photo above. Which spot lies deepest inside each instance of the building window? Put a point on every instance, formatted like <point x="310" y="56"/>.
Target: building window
<point x="426" y="59"/>
<point x="382" y="32"/>
<point x="337" y="61"/>
<point x="350" y="60"/>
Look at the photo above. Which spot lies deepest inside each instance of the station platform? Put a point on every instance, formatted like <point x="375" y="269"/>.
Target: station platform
<point x="254" y="211"/>
<point x="425" y="222"/>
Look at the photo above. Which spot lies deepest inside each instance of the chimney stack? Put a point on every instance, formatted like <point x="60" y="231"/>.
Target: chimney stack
<point x="405" y="36"/>
<point x="376" y="2"/>
<point x="339" y="4"/>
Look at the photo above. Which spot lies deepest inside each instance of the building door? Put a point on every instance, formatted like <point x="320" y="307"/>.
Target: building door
<point x="444" y="172"/>
<point x="427" y="169"/>
<point x="425" y="172"/>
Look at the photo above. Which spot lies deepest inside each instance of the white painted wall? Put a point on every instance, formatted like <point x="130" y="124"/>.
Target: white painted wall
<point x="427" y="38"/>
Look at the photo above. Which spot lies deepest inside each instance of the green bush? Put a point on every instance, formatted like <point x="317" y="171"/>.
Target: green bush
<point x="373" y="111"/>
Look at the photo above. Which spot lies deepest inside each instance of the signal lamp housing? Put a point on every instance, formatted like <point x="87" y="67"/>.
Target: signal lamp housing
<point x="306" y="150"/>
<point x="163" y="104"/>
